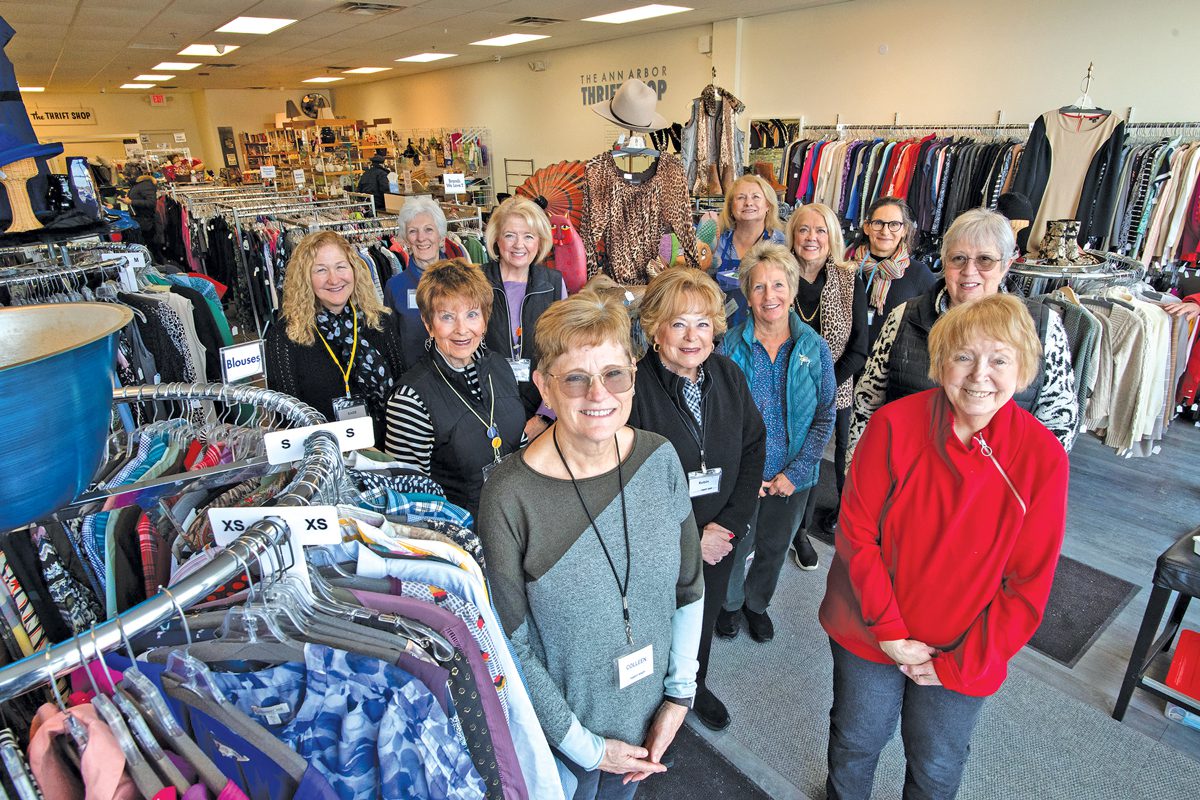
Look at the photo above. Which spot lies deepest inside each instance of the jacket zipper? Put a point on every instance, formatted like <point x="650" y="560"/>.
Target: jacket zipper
<point x="986" y="449"/>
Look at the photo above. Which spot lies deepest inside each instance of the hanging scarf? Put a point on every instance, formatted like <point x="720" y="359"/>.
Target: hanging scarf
<point x="370" y="375"/>
<point x="881" y="273"/>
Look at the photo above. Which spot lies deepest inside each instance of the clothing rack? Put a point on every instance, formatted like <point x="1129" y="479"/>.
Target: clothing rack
<point x="1115" y="270"/>
<point x="316" y="476"/>
<point x="23" y="274"/>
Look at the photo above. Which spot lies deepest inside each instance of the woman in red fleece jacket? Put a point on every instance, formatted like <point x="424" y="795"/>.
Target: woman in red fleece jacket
<point x="949" y="534"/>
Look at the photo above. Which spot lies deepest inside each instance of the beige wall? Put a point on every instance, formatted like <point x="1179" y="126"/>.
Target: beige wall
<point x="244" y="110"/>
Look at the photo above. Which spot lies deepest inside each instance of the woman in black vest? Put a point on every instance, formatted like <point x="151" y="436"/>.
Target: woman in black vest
<point x="700" y="401"/>
<point x="518" y="238"/>
<point x="977" y="252"/>
<point x="458" y="411"/>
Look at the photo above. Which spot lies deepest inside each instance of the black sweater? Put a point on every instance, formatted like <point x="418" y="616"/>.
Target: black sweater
<point x="734" y="436"/>
<point x="309" y="374"/>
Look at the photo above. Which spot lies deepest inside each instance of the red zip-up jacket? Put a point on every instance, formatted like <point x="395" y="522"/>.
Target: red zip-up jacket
<point x="939" y="543"/>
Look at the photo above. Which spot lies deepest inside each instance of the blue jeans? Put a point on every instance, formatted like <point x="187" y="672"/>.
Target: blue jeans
<point x="597" y="785"/>
<point x="868" y="699"/>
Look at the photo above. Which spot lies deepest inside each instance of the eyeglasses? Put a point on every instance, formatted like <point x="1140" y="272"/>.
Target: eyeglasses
<point x="617" y="380"/>
<point x="892" y="225"/>
<point x="983" y="263"/>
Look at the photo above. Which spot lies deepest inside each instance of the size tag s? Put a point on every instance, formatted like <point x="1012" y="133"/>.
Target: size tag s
<point x="633" y="667"/>
<point x="702" y="482"/>
<point x="520" y="368"/>
<point x="412" y="298"/>
<point x="353" y="407"/>
<point x="309" y="525"/>
<point x="284" y="447"/>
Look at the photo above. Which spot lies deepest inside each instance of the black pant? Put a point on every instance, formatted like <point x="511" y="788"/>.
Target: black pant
<point x="841" y="443"/>
<point x="716" y="583"/>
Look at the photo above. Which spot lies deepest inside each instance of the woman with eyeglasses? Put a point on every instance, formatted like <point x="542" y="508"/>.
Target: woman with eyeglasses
<point x="790" y="373"/>
<point x="889" y="272"/>
<point x="594" y="559"/>
<point x="700" y="401"/>
<point x="977" y="252"/>
<point x="458" y="411"/>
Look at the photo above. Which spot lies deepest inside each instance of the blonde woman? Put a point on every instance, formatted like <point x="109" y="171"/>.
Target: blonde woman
<point x="750" y="216"/>
<point x="336" y="346"/>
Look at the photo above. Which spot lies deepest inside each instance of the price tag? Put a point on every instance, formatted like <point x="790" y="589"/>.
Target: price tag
<point x="298" y="176"/>
<point x="241" y="362"/>
<point x="284" y="447"/>
<point x="267" y="171"/>
<point x="309" y="525"/>
<point x="454" y="182"/>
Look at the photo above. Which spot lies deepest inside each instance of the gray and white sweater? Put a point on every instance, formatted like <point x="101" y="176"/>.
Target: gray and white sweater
<point x="561" y="607"/>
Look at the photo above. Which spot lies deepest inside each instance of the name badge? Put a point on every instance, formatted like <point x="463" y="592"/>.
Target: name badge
<point x="870" y="316"/>
<point x="520" y="368"/>
<point x="635" y="666"/>
<point x="702" y="482"/>
<point x="488" y="469"/>
<point x="352" y="407"/>
<point x="412" y="298"/>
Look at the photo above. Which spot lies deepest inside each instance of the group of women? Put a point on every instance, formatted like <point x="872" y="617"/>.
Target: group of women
<point x="631" y="509"/>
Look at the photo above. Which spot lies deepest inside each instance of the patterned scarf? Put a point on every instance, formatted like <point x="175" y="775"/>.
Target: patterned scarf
<point x="370" y="376"/>
<point x="880" y="274"/>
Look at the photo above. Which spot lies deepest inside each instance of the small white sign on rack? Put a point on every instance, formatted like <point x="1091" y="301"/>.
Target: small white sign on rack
<point x="298" y="176"/>
<point x="267" y="171"/>
<point x="286" y="446"/>
<point x="454" y="182"/>
<point x="240" y="362"/>
<point x="309" y="525"/>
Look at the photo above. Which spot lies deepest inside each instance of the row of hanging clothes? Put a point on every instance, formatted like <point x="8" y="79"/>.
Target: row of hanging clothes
<point x="367" y="664"/>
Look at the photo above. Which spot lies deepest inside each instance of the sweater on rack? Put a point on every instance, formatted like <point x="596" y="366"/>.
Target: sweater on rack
<point x="939" y="544"/>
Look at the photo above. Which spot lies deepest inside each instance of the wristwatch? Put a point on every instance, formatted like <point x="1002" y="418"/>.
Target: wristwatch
<point x="686" y="702"/>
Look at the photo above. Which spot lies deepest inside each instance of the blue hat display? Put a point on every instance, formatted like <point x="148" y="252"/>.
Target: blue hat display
<point x="17" y="139"/>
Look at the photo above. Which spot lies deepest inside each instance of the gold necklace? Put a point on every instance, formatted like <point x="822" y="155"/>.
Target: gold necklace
<point x="808" y="319"/>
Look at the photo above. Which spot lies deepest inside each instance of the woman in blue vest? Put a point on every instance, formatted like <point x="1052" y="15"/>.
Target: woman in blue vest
<point x="790" y="371"/>
<point x="456" y="413"/>
<point x="750" y="215"/>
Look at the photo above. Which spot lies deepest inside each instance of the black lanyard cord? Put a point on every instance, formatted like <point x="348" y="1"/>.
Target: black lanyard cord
<point x="623" y="588"/>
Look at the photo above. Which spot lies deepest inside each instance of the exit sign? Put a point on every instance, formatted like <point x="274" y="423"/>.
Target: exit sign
<point x="158" y="99"/>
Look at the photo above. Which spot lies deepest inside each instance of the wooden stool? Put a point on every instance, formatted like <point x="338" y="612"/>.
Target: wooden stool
<point x="1177" y="570"/>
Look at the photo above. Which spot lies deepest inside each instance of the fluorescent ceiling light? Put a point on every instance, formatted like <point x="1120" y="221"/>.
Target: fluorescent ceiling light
<point x="260" y="25"/>
<point x="137" y="85"/>
<point x="636" y="14"/>
<point x="510" y="39"/>
<point x="428" y="57"/>
<point x="32" y="88"/>
<point x="151" y="77"/>
<point x="176" y="66"/>
<point x="322" y="80"/>
<point x="208" y="49"/>
<point x="365" y="70"/>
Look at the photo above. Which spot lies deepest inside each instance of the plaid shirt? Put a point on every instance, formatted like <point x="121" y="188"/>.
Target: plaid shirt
<point x="388" y="501"/>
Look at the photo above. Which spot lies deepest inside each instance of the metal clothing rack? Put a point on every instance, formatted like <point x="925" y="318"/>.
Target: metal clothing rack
<point x="317" y="476"/>
<point x="1114" y="270"/>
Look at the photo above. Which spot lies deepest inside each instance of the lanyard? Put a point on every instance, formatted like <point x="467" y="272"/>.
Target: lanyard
<point x="623" y="588"/>
<point x="874" y="272"/>
<point x="345" y="373"/>
<point x="492" y="431"/>
<point x="689" y="422"/>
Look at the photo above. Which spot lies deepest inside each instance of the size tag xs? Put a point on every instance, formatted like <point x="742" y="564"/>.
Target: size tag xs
<point x="311" y="525"/>
<point x="633" y="667"/>
<point x="702" y="482"/>
<point x="520" y="368"/>
<point x="284" y="447"/>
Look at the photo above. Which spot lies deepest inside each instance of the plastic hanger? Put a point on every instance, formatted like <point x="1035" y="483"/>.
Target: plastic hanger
<point x="16" y="768"/>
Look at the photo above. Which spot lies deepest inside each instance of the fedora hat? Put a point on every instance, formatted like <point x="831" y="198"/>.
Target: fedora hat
<point x="17" y="139"/>
<point x="633" y="107"/>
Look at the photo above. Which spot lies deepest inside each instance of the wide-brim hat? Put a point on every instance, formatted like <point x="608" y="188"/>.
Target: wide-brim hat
<point x="17" y="139"/>
<point x="633" y="107"/>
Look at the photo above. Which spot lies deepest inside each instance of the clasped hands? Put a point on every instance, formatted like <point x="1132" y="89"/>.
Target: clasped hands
<point x="636" y="763"/>
<point x="915" y="659"/>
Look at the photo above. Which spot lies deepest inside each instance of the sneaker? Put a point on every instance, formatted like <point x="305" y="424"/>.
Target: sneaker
<point x="728" y="624"/>
<point x="803" y="554"/>
<point x="760" y="627"/>
<point x="711" y="711"/>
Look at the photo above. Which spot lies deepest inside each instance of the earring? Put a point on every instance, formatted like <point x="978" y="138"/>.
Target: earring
<point x="655" y="346"/>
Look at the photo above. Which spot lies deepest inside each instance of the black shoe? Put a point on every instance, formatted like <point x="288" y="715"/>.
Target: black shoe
<point x="728" y="624"/>
<point x="828" y="521"/>
<point x="803" y="554"/>
<point x="760" y="627"/>
<point x="711" y="710"/>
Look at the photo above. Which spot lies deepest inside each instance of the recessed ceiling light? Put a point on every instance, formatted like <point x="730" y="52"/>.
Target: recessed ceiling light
<point x="32" y="88"/>
<point x="260" y="25"/>
<point x="365" y="70"/>
<point x="428" y="57"/>
<point x="639" y="13"/>
<point x="137" y="85"/>
<point x="322" y="80"/>
<point x="176" y="66"/>
<point x="510" y="39"/>
<point x="152" y="77"/>
<point x="208" y="49"/>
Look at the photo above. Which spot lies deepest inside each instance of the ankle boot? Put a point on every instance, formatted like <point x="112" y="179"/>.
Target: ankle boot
<point x="763" y="170"/>
<point x="712" y="187"/>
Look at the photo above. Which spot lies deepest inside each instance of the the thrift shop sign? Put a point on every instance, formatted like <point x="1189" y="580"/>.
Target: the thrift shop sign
<point x="596" y="87"/>
<point x="63" y="116"/>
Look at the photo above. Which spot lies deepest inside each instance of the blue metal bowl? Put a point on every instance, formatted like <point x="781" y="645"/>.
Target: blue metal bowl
<point x="56" y="382"/>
